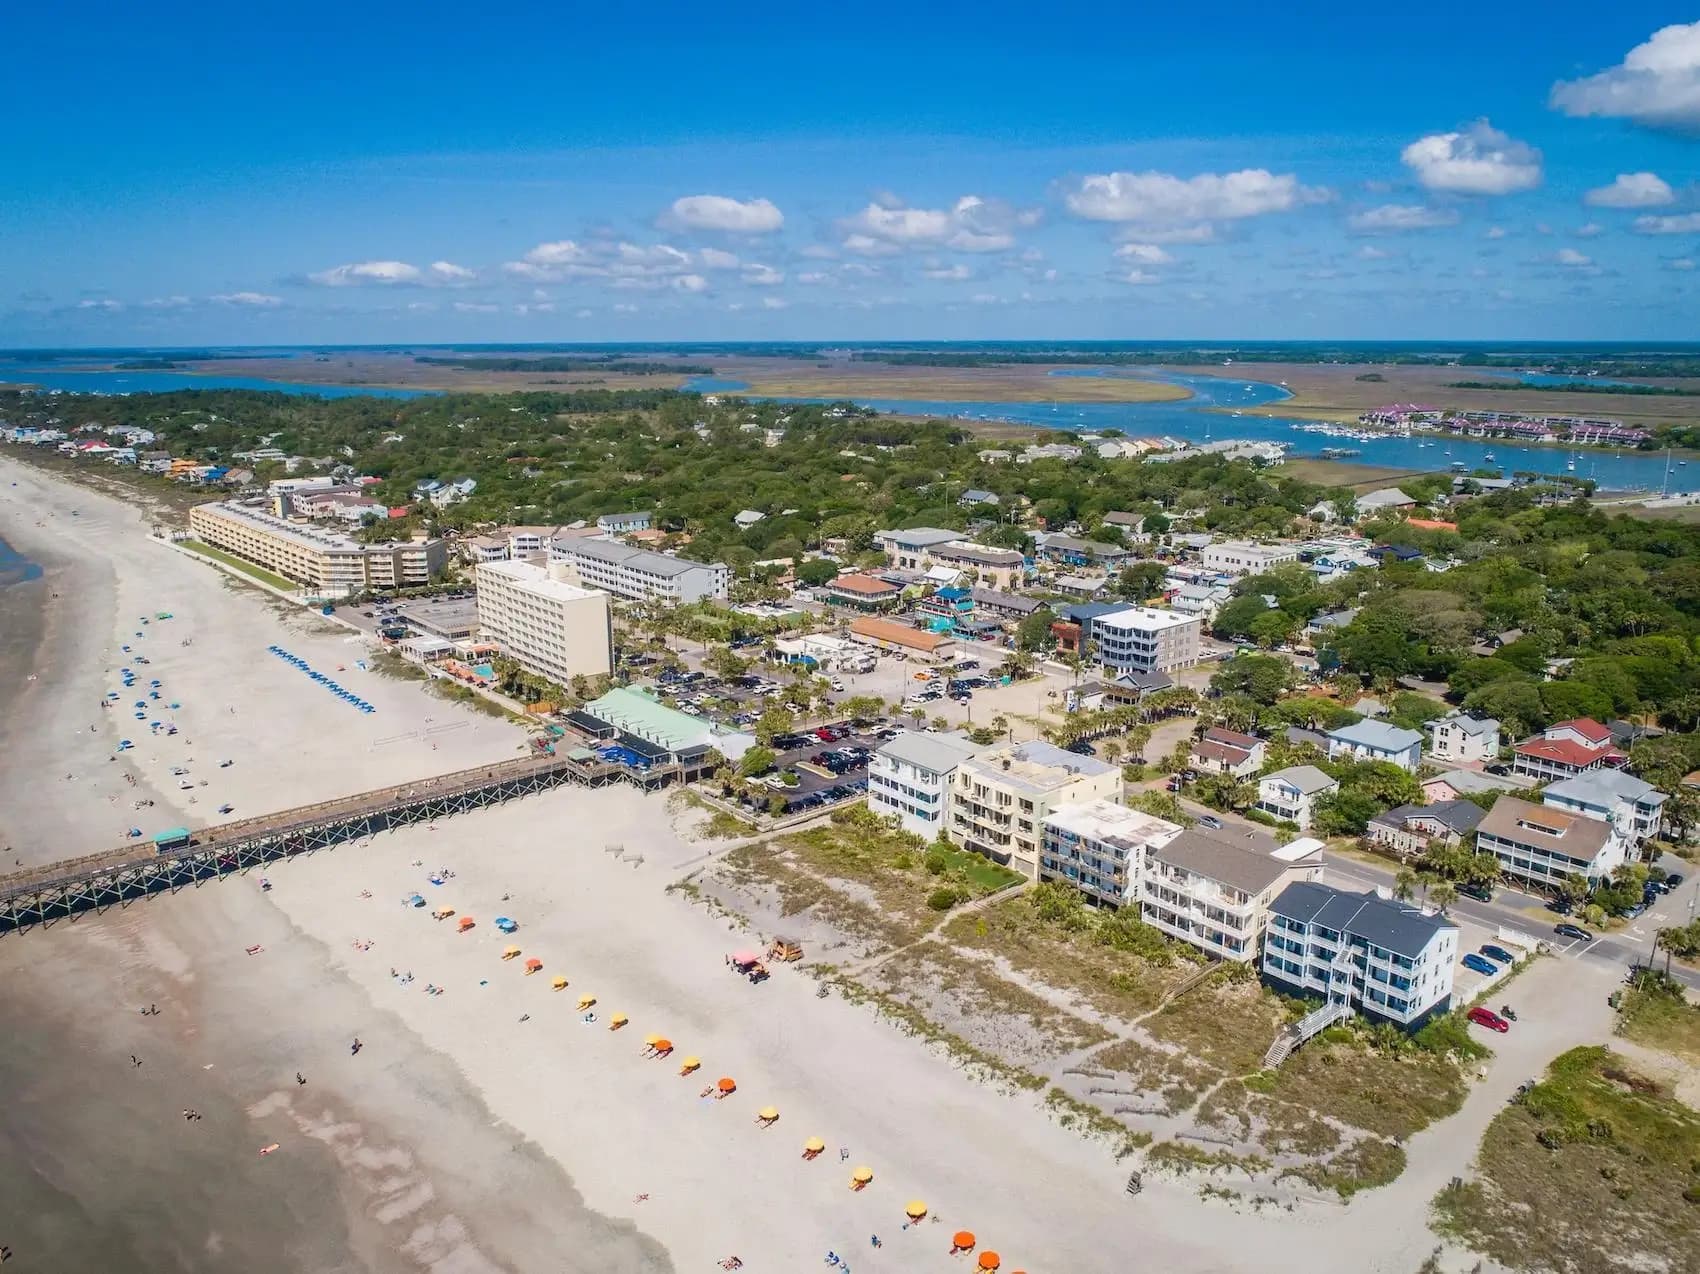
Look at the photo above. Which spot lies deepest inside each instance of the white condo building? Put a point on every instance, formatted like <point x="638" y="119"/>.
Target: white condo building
<point x="328" y="561"/>
<point x="909" y="779"/>
<point x="1099" y="847"/>
<point x="554" y="629"/>
<point x="999" y="800"/>
<point x="640" y="573"/>
<point x="1215" y="894"/>
<point x="1146" y="639"/>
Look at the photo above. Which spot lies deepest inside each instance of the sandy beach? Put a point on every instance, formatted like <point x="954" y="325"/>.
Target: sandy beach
<point x="461" y="1137"/>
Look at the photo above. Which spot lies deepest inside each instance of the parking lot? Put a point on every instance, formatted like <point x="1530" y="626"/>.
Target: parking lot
<point x="830" y="762"/>
<point x="450" y="616"/>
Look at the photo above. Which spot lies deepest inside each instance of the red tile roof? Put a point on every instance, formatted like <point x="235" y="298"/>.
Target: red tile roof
<point x="1565" y="752"/>
<point x="867" y="585"/>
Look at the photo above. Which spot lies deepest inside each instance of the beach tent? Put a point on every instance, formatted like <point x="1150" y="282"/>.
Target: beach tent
<point x="415" y="900"/>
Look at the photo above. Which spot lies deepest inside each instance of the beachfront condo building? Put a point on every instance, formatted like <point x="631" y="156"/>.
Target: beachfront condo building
<point x="1213" y="889"/>
<point x="554" y="629"/>
<point x="1099" y="847"/>
<point x="1386" y="959"/>
<point x="1146" y="639"/>
<point x="329" y="562"/>
<point x="999" y="800"/>
<point x="909" y="779"/>
<point x="640" y="573"/>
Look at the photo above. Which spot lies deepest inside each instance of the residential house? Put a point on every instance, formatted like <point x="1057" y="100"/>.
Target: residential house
<point x="1228" y="752"/>
<point x="974" y="498"/>
<point x="1000" y="799"/>
<point x="456" y="492"/>
<point x="1461" y="738"/>
<point x="1377" y="741"/>
<point x="1633" y="807"/>
<point x="1458" y="783"/>
<point x="1215" y="892"/>
<point x="1411" y="829"/>
<point x="1099" y="847"/>
<point x="1130" y="687"/>
<point x="1384" y="958"/>
<point x="1386" y="500"/>
<point x="1132" y="524"/>
<point x="1395" y="554"/>
<point x="1003" y="606"/>
<point x="485" y="548"/>
<point x="747" y="518"/>
<point x="1567" y="749"/>
<point x="641" y="573"/>
<point x="909" y="779"/>
<point x="1066" y="550"/>
<point x="1541" y="846"/>
<point x="1201" y="601"/>
<point x="1241" y="557"/>
<point x="863" y="592"/>
<point x="947" y="606"/>
<point x="1049" y="451"/>
<point x="1291" y="794"/>
<point x="993" y="455"/>
<point x="1000" y="568"/>
<point x="623" y="523"/>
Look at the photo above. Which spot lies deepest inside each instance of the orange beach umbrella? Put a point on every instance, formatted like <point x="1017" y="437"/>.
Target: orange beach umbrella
<point x="990" y="1260"/>
<point x="533" y="965"/>
<point x="727" y="1085"/>
<point x="962" y="1240"/>
<point x="663" y="1047"/>
<point x="466" y="922"/>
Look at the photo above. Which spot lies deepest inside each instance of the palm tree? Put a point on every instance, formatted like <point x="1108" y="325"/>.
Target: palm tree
<point x="1444" y="894"/>
<point x="1404" y="884"/>
<point x="1000" y="723"/>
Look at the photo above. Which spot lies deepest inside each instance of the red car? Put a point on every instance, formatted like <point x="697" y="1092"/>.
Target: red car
<point x="1489" y="1019"/>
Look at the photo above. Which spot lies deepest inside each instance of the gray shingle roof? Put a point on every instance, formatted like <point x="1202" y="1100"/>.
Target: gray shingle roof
<point x="1396" y="926"/>
<point x="1245" y="869"/>
<point x="1306" y="778"/>
<point x="1376" y="734"/>
<point x="1460" y="817"/>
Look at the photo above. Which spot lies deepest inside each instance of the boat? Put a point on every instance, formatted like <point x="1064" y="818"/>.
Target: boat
<point x="1459" y="466"/>
<point x="1338" y="453"/>
<point x="1487" y="455"/>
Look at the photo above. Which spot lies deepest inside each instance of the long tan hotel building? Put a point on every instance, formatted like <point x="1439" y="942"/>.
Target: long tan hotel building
<point x="324" y="559"/>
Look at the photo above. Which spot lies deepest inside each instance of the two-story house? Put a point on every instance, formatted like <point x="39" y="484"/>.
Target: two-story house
<point x="1291" y="794"/>
<point x="1228" y="752"/>
<point x="1567" y="749"/>
<point x="1541" y="846"/>
<point x="1632" y="806"/>
<point x="1377" y="741"/>
<point x="1411" y="829"/>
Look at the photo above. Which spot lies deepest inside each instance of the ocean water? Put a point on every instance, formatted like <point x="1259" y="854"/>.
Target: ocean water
<point x="1194" y="420"/>
<point x="15" y="568"/>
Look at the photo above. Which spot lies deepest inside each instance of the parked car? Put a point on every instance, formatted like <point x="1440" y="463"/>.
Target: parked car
<point x="1493" y="952"/>
<point x="1210" y="821"/>
<point x="1481" y="893"/>
<point x="1484" y="967"/>
<point x="1489" y="1019"/>
<point x="1673" y="880"/>
<point x="1573" y="931"/>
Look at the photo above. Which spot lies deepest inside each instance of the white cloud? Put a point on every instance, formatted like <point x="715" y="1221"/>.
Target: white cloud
<point x="1143" y="254"/>
<point x="1680" y="263"/>
<point x="475" y="307"/>
<point x="449" y="272"/>
<point x="971" y="224"/>
<point x="623" y="307"/>
<point x="691" y="283"/>
<point x="819" y="252"/>
<point x="1397" y="218"/>
<point x="582" y="314"/>
<point x="715" y="259"/>
<point x="1682" y="223"/>
<point x="100" y="303"/>
<point x="618" y="264"/>
<point x="774" y="303"/>
<point x="1139" y="278"/>
<point x="362" y="272"/>
<point x="1494" y="232"/>
<point x="1478" y="160"/>
<point x="1657" y="84"/>
<point x="763" y="276"/>
<point x="1590" y="231"/>
<point x="1632" y="190"/>
<point x="1369" y="252"/>
<point x="718" y="212"/>
<point x="1572" y="258"/>
<point x="1202" y="232"/>
<point x="814" y="277"/>
<point x="984" y="298"/>
<point x="955" y="273"/>
<point x="250" y="300"/>
<point x="422" y="307"/>
<point x="167" y="303"/>
<point x="1154" y="198"/>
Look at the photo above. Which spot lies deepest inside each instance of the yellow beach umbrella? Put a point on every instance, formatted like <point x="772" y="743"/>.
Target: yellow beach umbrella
<point x="560" y="983"/>
<point x="815" y="1144"/>
<point x="767" y="1114"/>
<point x="585" y="1001"/>
<point x="689" y="1064"/>
<point x="862" y="1176"/>
<point x="651" y="1040"/>
<point x="617" y="1021"/>
<point x="916" y="1210"/>
<point x="508" y="953"/>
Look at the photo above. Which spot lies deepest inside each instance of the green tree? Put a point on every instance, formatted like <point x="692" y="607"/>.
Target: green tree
<point x="816" y="571"/>
<point x="1262" y="678"/>
<point x="757" y="760"/>
<point x="1033" y="634"/>
<point x="772" y="722"/>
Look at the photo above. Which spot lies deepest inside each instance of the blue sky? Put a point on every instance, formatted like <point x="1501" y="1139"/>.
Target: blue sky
<point x="385" y="173"/>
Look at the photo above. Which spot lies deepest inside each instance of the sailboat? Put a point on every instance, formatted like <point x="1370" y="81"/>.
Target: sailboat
<point x="1570" y="464"/>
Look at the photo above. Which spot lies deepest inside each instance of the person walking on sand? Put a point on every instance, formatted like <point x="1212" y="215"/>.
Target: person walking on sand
<point x="134" y="1060"/>
<point x="300" y="1079"/>
<point x="356" y="1046"/>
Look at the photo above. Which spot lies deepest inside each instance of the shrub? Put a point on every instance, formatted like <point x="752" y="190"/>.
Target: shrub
<point x="945" y="897"/>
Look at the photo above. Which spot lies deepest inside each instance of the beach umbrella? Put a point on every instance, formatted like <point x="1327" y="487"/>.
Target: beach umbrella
<point x="767" y="1114"/>
<point x="617" y="1021"/>
<point x="508" y="953"/>
<point x="727" y="1085"/>
<point x="814" y="1145"/>
<point x="560" y="984"/>
<point x="990" y="1260"/>
<point x="962" y="1241"/>
<point x="533" y="965"/>
<point x="745" y="957"/>
<point x="663" y="1047"/>
<point x="690" y="1064"/>
<point x="652" y="1040"/>
<point x="585" y="1001"/>
<point x="861" y="1177"/>
<point x="916" y="1210"/>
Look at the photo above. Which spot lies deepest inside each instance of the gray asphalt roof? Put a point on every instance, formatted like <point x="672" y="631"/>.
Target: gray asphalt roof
<point x="934" y="752"/>
<point x="1306" y="778"/>
<point x="1247" y="869"/>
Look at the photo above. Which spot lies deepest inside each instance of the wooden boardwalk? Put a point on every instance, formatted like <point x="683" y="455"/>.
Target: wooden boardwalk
<point x="137" y="869"/>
